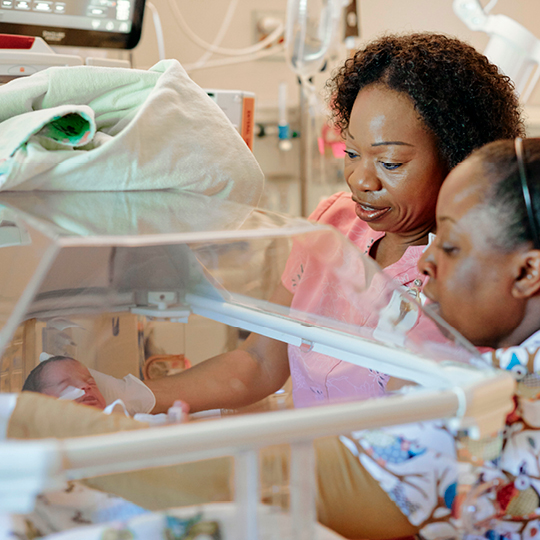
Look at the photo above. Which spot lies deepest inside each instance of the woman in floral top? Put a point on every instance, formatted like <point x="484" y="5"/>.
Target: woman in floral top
<point x="484" y="279"/>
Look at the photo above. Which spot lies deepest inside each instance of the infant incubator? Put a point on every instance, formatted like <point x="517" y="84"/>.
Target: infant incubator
<point x="87" y="275"/>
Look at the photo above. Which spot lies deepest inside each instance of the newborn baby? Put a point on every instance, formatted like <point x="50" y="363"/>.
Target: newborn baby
<point x="64" y="377"/>
<point x="60" y="374"/>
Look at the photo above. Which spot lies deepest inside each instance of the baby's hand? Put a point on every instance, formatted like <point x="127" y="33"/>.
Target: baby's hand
<point x="178" y="413"/>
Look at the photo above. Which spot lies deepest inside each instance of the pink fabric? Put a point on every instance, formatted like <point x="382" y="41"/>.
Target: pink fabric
<point x="316" y="377"/>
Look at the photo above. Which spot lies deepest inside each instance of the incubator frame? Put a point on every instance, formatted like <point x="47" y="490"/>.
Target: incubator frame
<point x="475" y="400"/>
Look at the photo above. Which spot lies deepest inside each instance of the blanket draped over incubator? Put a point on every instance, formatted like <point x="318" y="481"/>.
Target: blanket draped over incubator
<point x="168" y="256"/>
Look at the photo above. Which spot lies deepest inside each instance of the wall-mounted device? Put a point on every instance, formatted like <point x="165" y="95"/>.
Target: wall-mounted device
<point x="112" y="24"/>
<point x="239" y="106"/>
<point x="21" y="56"/>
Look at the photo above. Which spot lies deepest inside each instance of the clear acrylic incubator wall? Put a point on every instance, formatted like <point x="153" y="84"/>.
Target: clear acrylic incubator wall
<point x="101" y="276"/>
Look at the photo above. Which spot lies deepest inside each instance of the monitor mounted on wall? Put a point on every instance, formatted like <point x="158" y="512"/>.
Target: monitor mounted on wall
<point x="112" y="24"/>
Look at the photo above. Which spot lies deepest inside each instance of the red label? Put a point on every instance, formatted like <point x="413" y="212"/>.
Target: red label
<point x="8" y="41"/>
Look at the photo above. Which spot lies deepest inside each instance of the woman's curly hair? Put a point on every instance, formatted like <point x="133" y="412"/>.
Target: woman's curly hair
<point x="461" y="96"/>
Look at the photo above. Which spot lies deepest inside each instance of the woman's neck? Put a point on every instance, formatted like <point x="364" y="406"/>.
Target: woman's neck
<point x="528" y="326"/>
<point x="392" y="246"/>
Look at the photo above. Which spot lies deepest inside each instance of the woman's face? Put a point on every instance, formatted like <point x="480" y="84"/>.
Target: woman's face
<point x="392" y="164"/>
<point x="469" y="278"/>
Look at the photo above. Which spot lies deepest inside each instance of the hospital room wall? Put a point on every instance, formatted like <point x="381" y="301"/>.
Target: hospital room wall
<point x="263" y="76"/>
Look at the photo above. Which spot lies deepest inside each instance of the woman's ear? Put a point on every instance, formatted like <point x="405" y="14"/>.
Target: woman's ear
<point x="527" y="282"/>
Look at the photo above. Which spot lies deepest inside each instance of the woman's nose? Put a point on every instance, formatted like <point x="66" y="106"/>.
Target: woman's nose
<point x="426" y="264"/>
<point x="364" y="178"/>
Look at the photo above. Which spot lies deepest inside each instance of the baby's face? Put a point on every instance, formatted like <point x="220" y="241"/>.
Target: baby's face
<point x="57" y="376"/>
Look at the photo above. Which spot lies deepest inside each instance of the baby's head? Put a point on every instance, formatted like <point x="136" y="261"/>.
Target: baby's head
<point x="53" y="376"/>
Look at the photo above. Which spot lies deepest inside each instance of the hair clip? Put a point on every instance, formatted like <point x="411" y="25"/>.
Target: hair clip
<point x="518" y="144"/>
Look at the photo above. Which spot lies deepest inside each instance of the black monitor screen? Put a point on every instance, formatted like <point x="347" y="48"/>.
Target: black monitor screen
<point x="79" y="23"/>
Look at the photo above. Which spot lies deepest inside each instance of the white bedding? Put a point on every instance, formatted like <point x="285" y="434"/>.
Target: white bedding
<point x="88" y="128"/>
<point x="69" y="508"/>
<point x="136" y="396"/>
<point x="213" y="521"/>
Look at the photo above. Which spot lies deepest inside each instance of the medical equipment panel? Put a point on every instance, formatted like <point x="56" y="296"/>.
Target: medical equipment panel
<point x="78" y="23"/>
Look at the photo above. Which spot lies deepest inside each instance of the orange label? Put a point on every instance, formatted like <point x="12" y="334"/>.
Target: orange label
<point x="248" y="110"/>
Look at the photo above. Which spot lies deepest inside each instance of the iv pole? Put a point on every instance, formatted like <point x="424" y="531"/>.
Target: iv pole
<point x="300" y="59"/>
<point x="305" y="150"/>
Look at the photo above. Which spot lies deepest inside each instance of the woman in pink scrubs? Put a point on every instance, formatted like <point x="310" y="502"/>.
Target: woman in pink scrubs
<point x="410" y="108"/>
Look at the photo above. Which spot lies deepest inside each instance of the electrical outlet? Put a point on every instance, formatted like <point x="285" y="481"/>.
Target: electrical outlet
<point x="263" y="23"/>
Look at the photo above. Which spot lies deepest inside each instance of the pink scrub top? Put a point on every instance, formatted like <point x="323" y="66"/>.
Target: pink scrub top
<point x="317" y="378"/>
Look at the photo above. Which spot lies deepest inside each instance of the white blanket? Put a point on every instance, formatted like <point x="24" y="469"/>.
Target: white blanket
<point x="89" y="128"/>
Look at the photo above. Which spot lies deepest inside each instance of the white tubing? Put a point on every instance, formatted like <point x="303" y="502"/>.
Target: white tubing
<point x="159" y="30"/>
<point x="221" y="32"/>
<point x="235" y="60"/>
<point x="221" y="50"/>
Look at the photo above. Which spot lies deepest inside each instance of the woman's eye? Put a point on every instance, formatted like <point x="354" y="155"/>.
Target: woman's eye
<point x="391" y="166"/>
<point x="351" y="154"/>
<point x="449" y="249"/>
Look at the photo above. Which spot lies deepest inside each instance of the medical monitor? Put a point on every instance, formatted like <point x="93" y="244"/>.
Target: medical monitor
<point x="112" y="24"/>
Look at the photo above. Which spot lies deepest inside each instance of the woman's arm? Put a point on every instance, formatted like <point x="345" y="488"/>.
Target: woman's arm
<point x="230" y="380"/>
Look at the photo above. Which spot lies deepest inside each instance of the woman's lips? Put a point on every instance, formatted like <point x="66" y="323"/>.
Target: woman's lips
<point x="369" y="213"/>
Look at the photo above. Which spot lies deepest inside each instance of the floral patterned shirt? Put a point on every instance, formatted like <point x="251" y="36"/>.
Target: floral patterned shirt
<point x="417" y="464"/>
